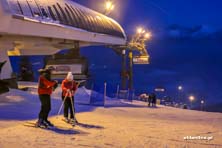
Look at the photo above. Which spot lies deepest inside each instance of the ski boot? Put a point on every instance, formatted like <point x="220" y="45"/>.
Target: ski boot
<point x="48" y="123"/>
<point x="40" y="123"/>
<point x="66" y="119"/>
<point x="73" y="121"/>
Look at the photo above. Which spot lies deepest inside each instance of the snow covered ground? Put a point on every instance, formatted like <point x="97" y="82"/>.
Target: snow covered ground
<point x="118" y="124"/>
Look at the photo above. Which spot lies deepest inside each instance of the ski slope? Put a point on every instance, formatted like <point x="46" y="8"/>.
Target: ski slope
<point x="119" y="124"/>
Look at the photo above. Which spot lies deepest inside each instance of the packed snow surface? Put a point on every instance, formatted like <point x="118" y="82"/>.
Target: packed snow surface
<point x="119" y="124"/>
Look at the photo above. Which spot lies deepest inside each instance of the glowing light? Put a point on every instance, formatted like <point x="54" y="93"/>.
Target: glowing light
<point x="180" y="87"/>
<point x="139" y="30"/>
<point x="202" y="102"/>
<point x="147" y="35"/>
<point x="143" y="31"/>
<point x="109" y="6"/>
<point x="192" y="98"/>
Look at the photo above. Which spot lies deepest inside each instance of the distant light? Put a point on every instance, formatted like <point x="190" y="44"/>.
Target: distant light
<point x="159" y="89"/>
<point x="147" y="35"/>
<point x="180" y="87"/>
<point x="140" y="30"/>
<point x="192" y="98"/>
<point x="109" y="6"/>
<point x="202" y="102"/>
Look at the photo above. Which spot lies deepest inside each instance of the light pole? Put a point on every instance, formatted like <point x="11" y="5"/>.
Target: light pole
<point x="123" y="72"/>
<point x="138" y="43"/>
<point x="202" y="105"/>
<point x="191" y="98"/>
<point x="180" y="89"/>
<point x="131" y="70"/>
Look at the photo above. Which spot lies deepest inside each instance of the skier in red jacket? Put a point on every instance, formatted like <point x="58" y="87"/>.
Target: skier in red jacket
<point x="69" y="87"/>
<point x="45" y="89"/>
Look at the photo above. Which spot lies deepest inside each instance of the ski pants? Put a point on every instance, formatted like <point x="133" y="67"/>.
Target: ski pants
<point x="45" y="106"/>
<point x="68" y="107"/>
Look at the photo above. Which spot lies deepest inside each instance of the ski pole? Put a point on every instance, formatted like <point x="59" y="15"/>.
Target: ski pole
<point x="72" y="102"/>
<point x="62" y="103"/>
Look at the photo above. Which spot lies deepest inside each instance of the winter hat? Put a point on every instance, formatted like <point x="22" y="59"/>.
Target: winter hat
<point x="42" y="71"/>
<point x="46" y="70"/>
<point x="69" y="76"/>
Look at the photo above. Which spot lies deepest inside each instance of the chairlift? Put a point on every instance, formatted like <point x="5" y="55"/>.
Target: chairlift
<point x="61" y="64"/>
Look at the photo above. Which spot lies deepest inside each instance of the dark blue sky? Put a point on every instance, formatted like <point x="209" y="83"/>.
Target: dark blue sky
<point x="156" y="14"/>
<point x="195" y="64"/>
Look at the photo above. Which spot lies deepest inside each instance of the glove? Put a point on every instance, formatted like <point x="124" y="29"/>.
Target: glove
<point x="69" y="91"/>
<point x="55" y="85"/>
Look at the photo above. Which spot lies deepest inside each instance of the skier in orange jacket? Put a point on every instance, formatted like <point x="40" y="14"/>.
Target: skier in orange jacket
<point x="45" y="89"/>
<point x="69" y="87"/>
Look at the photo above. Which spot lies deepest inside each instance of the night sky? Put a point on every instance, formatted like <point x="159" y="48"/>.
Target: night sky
<point x="193" y="62"/>
<point x="161" y="13"/>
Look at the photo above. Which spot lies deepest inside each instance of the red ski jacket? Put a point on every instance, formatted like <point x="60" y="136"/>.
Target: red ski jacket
<point x="68" y="85"/>
<point x="45" y="86"/>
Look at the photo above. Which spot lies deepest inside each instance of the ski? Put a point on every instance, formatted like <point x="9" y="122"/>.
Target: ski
<point x="76" y="123"/>
<point x="69" y="122"/>
<point x="31" y="124"/>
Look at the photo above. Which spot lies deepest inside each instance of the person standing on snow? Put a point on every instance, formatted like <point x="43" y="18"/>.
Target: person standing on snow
<point x="69" y="87"/>
<point x="149" y="100"/>
<point x="45" y="88"/>
<point x="153" y="95"/>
